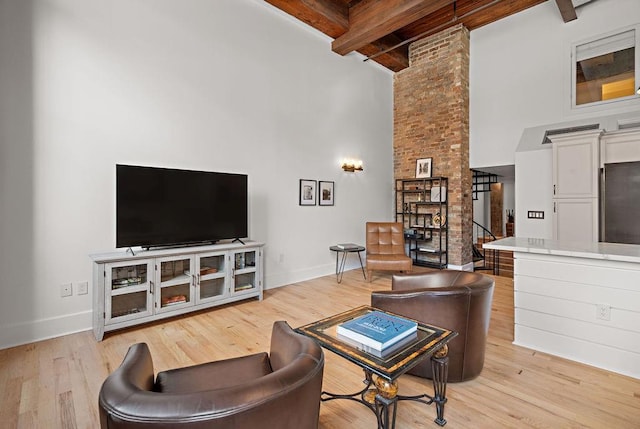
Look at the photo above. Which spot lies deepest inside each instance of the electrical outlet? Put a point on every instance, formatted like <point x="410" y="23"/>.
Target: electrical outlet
<point x="65" y="290"/>
<point x="603" y="311"/>
<point x="82" y="288"/>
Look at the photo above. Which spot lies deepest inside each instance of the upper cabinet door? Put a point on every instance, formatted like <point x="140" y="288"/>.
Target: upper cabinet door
<point x="575" y="164"/>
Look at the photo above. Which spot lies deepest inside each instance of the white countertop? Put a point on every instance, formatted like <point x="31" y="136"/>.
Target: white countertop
<point x="605" y="251"/>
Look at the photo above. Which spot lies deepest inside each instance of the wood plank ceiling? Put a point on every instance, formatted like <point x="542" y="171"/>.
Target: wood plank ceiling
<point x="383" y="29"/>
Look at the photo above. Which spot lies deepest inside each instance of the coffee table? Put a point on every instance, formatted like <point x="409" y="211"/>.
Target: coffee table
<point x="381" y="373"/>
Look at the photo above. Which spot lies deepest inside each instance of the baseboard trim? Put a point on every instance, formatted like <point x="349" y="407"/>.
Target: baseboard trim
<point x="286" y="278"/>
<point x="17" y="334"/>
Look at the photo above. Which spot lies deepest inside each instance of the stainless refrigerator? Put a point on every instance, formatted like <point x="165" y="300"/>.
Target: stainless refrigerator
<point x="620" y="203"/>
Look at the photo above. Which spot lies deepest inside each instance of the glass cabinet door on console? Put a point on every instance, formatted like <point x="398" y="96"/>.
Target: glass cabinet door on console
<point x="243" y="273"/>
<point x="210" y="276"/>
<point x="128" y="290"/>
<point x="175" y="283"/>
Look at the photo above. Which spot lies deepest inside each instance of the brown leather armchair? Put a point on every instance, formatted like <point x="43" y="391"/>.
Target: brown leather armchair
<point x="385" y="248"/>
<point x="276" y="390"/>
<point x="456" y="300"/>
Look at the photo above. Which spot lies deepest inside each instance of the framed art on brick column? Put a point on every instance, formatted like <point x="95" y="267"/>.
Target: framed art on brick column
<point x="423" y="168"/>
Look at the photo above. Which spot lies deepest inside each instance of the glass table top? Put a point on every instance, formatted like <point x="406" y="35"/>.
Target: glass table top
<point x="389" y="365"/>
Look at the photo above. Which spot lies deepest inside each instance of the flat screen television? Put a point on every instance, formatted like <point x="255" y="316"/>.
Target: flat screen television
<point x="168" y="207"/>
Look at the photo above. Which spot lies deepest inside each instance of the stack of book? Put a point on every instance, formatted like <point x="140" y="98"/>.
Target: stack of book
<point x="378" y="333"/>
<point x="347" y="246"/>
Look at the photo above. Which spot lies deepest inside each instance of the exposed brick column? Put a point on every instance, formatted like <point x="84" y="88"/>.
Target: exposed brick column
<point x="431" y="120"/>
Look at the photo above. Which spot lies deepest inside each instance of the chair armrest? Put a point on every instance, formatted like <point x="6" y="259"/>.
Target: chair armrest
<point x="446" y="307"/>
<point x="287" y="345"/>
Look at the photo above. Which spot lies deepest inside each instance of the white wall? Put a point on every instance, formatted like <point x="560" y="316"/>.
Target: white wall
<point x="520" y="69"/>
<point x="534" y="184"/>
<point x="225" y="85"/>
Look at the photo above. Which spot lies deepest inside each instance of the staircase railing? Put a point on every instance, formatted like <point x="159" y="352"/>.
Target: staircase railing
<point x="483" y="235"/>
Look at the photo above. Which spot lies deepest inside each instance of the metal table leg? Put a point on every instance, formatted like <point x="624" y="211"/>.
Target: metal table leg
<point x="340" y="271"/>
<point x="362" y="265"/>
<point x="379" y="395"/>
<point x="340" y="265"/>
<point x="440" y="369"/>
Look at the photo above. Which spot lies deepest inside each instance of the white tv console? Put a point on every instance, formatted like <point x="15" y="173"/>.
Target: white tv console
<point x="130" y="289"/>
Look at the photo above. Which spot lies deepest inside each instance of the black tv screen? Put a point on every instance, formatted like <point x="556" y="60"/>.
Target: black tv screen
<point x="164" y="207"/>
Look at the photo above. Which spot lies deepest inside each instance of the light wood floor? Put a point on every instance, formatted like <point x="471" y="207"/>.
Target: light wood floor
<point x="55" y="383"/>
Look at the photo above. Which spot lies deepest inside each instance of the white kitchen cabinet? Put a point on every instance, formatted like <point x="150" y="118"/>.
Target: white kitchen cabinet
<point x="575" y="185"/>
<point x="575" y="164"/>
<point x="575" y="219"/>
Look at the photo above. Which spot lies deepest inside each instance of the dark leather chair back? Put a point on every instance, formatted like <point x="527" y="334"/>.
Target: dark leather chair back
<point x="455" y="300"/>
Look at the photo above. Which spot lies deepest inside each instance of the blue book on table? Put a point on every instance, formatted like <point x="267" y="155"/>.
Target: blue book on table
<point x="386" y="352"/>
<point x="377" y="329"/>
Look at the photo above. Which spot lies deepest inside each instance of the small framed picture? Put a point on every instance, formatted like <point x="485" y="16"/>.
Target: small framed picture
<point x="423" y="168"/>
<point x="307" y="192"/>
<point x="325" y="193"/>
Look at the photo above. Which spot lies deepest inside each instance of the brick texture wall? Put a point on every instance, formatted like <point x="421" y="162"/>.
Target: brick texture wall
<point x="431" y="120"/>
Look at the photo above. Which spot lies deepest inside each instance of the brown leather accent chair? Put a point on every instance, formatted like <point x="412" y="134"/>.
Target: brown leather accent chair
<point x="455" y="300"/>
<point x="276" y="390"/>
<point x="385" y="248"/>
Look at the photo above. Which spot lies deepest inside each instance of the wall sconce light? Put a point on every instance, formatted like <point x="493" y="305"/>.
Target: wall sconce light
<point x="352" y="165"/>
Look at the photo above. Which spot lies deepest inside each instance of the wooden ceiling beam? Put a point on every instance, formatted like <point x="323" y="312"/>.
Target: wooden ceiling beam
<point x="567" y="10"/>
<point x="331" y="10"/>
<point x="329" y="17"/>
<point x="371" y="20"/>
<point x="394" y="59"/>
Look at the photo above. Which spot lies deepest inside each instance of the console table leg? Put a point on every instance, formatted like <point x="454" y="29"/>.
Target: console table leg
<point x="440" y="368"/>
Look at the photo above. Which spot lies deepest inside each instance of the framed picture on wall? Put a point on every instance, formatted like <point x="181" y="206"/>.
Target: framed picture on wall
<point x="325" y="193"/>
<point x="423" y="168"/>
<point x="307" y="192"/>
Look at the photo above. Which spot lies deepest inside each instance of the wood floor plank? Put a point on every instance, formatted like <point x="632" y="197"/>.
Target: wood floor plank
<point x="58" y="380"/>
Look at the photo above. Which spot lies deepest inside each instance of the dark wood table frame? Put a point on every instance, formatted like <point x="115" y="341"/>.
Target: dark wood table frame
<point x="381" y="373"/>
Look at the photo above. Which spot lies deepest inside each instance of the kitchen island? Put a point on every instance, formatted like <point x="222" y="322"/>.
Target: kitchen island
<point x="577" y="300"/>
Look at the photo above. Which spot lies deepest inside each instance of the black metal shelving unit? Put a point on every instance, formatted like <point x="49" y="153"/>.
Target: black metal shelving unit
<point x="421" y="206"/>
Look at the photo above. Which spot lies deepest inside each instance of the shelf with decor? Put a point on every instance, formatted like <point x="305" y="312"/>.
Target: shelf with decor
<point x="421" y="206"/>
